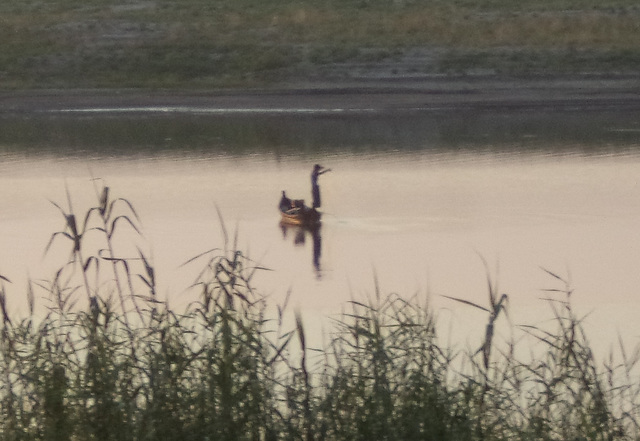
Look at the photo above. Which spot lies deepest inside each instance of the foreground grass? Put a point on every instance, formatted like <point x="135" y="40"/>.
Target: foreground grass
<point x="127" y="367"/>
<point x="213" y="43"/>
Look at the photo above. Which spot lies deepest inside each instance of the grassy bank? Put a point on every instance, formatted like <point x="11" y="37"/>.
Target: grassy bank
<point x="214" y="43"/>
<point x="108" y="360"/>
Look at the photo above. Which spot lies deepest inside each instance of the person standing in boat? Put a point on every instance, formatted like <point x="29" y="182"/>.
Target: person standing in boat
<point x="315" y="188"/>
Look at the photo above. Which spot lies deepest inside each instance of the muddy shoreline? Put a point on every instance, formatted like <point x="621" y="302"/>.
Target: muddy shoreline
<point x="579" y="93"/>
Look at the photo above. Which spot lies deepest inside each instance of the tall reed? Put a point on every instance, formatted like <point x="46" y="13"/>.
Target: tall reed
<point x="106" y="359"/>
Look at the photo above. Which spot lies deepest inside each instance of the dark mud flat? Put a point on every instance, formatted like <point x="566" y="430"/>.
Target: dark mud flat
<point x="594" y="92"/>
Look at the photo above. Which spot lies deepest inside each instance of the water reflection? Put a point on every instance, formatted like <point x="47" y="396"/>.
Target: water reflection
<point x="300" y="234"/>
<point x="116" y="135"/>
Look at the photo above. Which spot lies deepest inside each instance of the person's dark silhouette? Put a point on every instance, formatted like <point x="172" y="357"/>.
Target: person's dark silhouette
<point x="317" y="249"/>
<point x="285" y="202"/>
<point x="315" y="188"/>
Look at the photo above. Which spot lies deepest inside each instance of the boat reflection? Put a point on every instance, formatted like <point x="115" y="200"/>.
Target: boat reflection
<point x="300" y="234"/>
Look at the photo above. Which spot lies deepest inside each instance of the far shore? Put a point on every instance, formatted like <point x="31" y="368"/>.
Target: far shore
<point x="465" y="92"/>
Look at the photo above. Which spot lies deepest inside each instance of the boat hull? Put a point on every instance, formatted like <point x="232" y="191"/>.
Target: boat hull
<point x="306" y="217"/>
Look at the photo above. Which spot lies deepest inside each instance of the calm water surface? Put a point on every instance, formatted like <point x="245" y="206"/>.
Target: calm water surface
<point x="416" y="200"/>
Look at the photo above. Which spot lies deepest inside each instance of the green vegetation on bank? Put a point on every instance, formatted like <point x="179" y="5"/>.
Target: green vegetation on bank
<point x="211" y="43"/>
<point x="127" y="367"/>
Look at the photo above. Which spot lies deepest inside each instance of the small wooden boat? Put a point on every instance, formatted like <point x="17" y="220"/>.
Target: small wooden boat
<point x="303" y="216"/>
<point x="295" y="212"/>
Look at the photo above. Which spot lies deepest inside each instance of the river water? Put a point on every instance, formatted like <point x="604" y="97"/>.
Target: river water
<point x="426" y="203"/>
